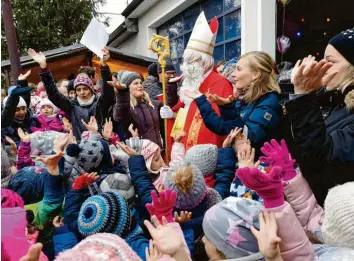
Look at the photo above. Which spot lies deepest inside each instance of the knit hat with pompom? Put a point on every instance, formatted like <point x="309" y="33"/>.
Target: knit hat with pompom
<point x="98" y="247"/>
<point x="188" y="182"/>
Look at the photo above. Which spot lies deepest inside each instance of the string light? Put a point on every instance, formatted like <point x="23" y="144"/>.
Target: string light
<point x="318" y="54"/>
<point x="303" y="20"/>
<point x="298" y="33"/>
<point x="325" y="33"/>
<point x="328" y="19"/>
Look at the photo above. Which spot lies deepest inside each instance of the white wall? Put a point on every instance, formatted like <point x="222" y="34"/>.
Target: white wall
<point x="258" y="26"/>
<point x="161" y="12"/>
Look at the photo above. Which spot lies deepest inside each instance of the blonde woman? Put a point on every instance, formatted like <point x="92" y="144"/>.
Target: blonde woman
<point x="134" y="106"/>
<point x="254" y="103"/>
<point x="322" y="141"/>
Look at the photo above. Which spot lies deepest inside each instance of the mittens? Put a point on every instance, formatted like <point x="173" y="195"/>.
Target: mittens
<point x="166" y="112"/>
<point x="278" y="155"/>
<point x="162" y="206"/>
<point x="268" y="186"/>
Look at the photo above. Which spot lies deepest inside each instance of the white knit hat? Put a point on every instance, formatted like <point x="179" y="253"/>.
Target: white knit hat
<point x="338" y="228"/>
<point x="21" y="103"/>
<point x="46" y="101"/>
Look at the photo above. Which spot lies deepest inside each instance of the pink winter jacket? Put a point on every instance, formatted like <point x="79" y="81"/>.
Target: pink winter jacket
<point x="295" y="218"/>
<point x="51" y="123"/>
<point x="13" y="234"/>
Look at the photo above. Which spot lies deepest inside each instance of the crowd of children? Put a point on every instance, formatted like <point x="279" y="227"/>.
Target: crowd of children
<point x="84" y="177"/>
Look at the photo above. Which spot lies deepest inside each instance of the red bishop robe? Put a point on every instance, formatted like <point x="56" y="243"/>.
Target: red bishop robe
<point x="197" y="132"/>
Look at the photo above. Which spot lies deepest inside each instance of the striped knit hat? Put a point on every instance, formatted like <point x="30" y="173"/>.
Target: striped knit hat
<point x="107" y="212"/>
<point x="102" y="246"/>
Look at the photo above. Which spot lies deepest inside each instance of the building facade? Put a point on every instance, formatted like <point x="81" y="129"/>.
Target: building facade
<point x="244" y="25"/>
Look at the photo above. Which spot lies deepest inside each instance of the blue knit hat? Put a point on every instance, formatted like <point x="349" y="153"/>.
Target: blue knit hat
<point x="104" y="213"/>
<point x="344" y="43"/>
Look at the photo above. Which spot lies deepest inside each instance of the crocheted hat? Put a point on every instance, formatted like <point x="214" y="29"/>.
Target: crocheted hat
<point x="204" y="157"/>
<point x="5" y="168"/>
<point x="46" y="101"/>
<point x="344" y="43"/>
<point x="93" y="155"/>
<point x="10" y="199"/>
<point x="119" y="183"/>
<point x="127" y="77"/>
<point x="21" y="102"/>
<point x="337" y="227"/>
<point x="83" y="79"/>
<point x="106" y="212"/>
<point x="98" y="247"/>
<point x="227" y="226"/>
<point x="193" y="184"/>
<point x="148" y="150"/>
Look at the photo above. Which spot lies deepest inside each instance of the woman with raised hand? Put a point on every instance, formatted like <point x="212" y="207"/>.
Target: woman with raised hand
<point x="323" y="141"/>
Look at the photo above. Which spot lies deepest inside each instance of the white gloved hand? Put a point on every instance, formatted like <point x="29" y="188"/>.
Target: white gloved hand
<point x="166" y="112"/>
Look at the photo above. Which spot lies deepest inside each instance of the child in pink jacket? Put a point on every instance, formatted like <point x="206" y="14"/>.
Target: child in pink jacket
<point x="333" y="227"/>
<point x="47" y="120"/>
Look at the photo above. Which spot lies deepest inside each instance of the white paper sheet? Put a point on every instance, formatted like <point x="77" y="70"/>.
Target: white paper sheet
<point x="95" y="37"/>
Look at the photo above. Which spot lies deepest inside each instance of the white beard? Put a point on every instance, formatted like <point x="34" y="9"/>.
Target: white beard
<point x="193" y="78"/>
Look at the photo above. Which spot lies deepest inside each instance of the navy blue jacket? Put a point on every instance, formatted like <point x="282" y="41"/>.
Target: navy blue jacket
<point x="63" y="239"/>
<point x="225" y="171"/>
<point x="261" y="117"/>
<point x="323" y="148"/>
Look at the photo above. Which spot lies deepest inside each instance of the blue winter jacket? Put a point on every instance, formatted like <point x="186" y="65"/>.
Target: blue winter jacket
<point x="261" y="117"/>
<point x="225" y="171"/>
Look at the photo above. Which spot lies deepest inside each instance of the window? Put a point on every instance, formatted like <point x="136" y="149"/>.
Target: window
<point x="228" y="39"/>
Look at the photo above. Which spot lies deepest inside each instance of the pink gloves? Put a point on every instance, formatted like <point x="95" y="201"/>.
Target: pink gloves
<point x="278" y="155"/>
<point x="162" y="206"/>
<point x="268" y="186"/>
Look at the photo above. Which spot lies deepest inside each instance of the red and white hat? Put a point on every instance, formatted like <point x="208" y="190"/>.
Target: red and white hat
<point x="204" y="35"/>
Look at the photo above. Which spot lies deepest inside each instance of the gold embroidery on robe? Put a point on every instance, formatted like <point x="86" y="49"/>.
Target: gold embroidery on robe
<point x="194" y="130"/>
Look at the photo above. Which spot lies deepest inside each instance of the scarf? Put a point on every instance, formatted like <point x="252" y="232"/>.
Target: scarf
<point x="86" y="103"/>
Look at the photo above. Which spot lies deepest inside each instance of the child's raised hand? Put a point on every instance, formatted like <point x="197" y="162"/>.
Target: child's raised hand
<point x="128" y="150"/>
<point x="268" y="241"/>
<point x="33" y="253"/>
<point x="60" y="142"/>
<point x="163" y="205"/>
<point x="246" y="158"/>
<point x="58" y="222"/>
<point x="133" y="132"/>
<point x="52" y="163"/>
<point x="91" y="125"/>
<point x="179" y="136"/>
<point x="38" y="57"/>
<point x="85" y="180"/>
<point x="184" y="216"/>
<point x="231" y="137"/>
<point x="67" y="125"/>
<point x="164" y="236"/>
<point x="24" y="136"/>
<point x="151" y="253"/>
<point x="12" y="145"/>
<point x="107" y="129"/>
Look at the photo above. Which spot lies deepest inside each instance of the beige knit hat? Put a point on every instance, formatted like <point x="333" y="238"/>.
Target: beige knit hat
<point x="338" y="228"/>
